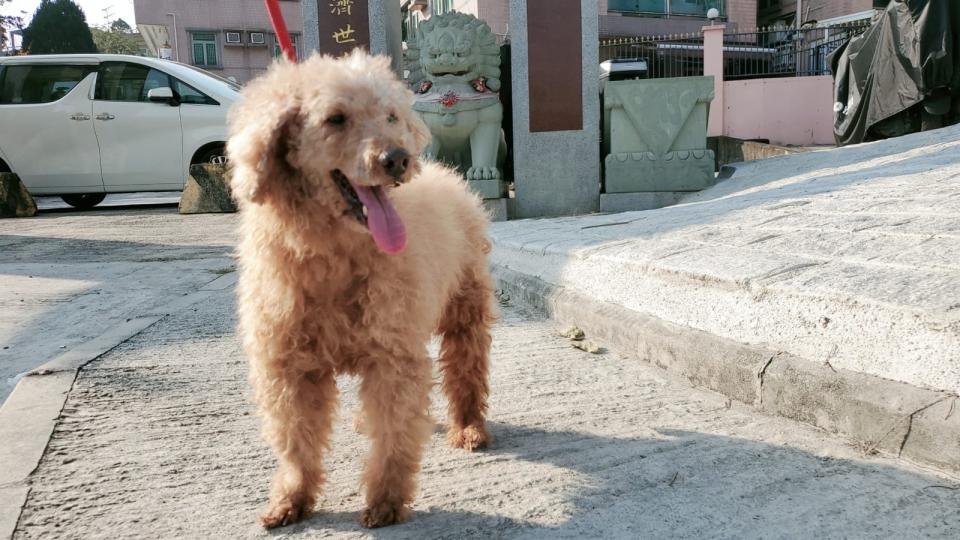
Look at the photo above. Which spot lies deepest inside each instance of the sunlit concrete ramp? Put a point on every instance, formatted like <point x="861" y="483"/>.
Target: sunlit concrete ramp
<point x="824" y="286"/>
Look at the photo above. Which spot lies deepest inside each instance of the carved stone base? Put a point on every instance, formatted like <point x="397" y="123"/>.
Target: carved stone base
<point x="206" y="191"/>
<point x="15" y="200"/>
<point x="682" y="170"/>
<point x="488" y="189"/>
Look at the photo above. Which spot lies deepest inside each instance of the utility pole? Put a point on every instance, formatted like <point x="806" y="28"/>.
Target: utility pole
<point x="107" y="15"/>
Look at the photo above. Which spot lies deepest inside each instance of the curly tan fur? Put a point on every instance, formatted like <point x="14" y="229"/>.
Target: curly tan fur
<point x="317" y="298"/>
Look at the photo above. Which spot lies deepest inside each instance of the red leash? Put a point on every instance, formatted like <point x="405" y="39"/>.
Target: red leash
<point x="280" y="28"/>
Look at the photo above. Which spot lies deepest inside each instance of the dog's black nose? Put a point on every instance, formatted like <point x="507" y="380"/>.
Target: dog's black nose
<point x="395" y="161"/>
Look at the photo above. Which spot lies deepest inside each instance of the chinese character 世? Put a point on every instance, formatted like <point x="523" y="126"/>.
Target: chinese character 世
<point x="341" y="7"/>
<point x="344" y="35"/>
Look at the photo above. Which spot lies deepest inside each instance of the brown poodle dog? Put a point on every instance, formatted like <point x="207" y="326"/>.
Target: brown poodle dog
<point x="352" y="254"/>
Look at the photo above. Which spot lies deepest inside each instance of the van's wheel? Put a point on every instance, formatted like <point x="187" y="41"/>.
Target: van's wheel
<point x="84" y="200"/>
<point x="215" y="154"/>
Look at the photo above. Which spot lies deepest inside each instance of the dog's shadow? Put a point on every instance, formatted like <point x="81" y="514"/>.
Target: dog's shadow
<point x="672" y="484"/>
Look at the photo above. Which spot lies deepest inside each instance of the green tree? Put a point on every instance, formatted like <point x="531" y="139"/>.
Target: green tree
<point x="120" y="25"/>
<point x="110" y="42"/>
<point x="58" y="26"/>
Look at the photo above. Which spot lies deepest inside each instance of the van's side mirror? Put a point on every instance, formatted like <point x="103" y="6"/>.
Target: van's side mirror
<point x="161" y="95"/>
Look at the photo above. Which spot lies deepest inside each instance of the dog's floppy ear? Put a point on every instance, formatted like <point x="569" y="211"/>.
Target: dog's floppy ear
<point x="421" y="133"/>
<point x="265" y="155"/>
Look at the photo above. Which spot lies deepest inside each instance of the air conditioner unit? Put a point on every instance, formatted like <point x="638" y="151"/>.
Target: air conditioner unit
<point x="258" y="38"/>
<point x="233" y="38"/>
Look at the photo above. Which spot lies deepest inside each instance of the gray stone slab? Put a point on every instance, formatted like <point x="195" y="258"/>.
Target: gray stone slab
<point x="556" y="173"/>
<point x="488" y="189"/>
<point x="629" y="202"/>
<point x="875" y="413"/>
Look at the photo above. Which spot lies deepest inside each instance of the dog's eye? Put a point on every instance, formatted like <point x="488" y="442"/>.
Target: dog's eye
<point x="392" y="118"/>
<point x="338" y="119"/>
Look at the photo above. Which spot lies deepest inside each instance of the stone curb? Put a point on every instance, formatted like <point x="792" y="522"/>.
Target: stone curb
<point x="206" y="191"/>
<point x="878" y="415"/>
<point x="30" y="413"/>
<point x="15" y="200"/>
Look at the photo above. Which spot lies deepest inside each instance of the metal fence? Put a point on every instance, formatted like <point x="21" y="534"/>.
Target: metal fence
<point x="768" y="52"/>
<point x="784" y="52"/>
<point x="679" y="55"/>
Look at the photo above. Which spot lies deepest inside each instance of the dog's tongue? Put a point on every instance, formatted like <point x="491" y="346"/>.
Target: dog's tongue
<point x="382" y="219"/>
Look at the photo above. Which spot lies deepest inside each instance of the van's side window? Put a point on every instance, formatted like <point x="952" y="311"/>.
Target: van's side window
<point x="123" y="81"/>
<point x="39" y="83"/>
<point x="190" y="95"/>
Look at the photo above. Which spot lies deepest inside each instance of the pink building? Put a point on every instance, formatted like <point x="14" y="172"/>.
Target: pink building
<point x="785" y="11"/>
<point x="231" y="38"/>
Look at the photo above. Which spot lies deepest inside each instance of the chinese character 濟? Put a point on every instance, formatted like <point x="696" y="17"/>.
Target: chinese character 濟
<point x="344" y="35"/>
<point x="341" y="7"/>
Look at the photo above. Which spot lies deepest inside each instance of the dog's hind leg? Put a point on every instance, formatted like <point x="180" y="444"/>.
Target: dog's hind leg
<point x="464" y="360"/>
<point x="297" y="410"/>
<point x="396" y="398"/>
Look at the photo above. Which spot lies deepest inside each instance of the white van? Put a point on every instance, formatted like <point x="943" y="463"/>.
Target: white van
<point x="82" y="126"/>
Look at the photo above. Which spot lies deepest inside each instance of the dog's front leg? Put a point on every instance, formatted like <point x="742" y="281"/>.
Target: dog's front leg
<point x="297" y="409"/>
<point x="395" y="394"/>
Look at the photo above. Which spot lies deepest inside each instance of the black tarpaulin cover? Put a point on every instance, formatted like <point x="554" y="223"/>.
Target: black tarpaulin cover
<point x="910" y="54"/>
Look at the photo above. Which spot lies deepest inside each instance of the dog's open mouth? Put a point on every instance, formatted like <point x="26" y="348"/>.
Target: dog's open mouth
<point x="371" y="207"/>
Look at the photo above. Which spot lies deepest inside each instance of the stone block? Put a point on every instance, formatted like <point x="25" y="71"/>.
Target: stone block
<point x="206" y="191"/>
<point x="632" y="202"/>
<point x="681" y="170"/>
<point x="488" y="189"/>
<point x="655" y="135"/>
<point x="15" y="200"/>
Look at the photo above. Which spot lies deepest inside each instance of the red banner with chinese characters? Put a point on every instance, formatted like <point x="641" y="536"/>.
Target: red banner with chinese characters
<point x="344" y="26"/>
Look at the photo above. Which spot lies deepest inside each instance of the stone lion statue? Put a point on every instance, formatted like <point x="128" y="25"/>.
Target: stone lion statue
<point x="454" y="69"/>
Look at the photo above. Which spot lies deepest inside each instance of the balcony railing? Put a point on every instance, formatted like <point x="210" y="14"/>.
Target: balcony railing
<point x="667" y="8"/>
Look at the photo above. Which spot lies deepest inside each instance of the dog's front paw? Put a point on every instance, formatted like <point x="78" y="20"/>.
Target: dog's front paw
<point x="469" y="438"/>
<point x="285" y="512"/>
<point x="384" y="513"/>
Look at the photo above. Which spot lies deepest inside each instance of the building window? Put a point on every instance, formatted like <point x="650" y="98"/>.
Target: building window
<point x="692" y="8"/>
<point x="204" y="48"/>
<point x="294" y="38"/>
<point x="439" y="7"/>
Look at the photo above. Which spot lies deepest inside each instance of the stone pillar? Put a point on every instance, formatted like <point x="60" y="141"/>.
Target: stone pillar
<point x="713" y="67"/>
<point x="373" y="25"/>
<point x="556" y="106"/>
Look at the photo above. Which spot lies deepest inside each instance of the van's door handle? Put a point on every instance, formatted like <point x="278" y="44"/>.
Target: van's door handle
<point x="79" y="117"/>
<point x="105" y="116"/>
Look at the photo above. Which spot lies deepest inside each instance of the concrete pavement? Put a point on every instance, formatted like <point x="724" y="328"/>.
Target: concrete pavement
<point x="156" y="438"/>
<point x="70" y="276"/>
